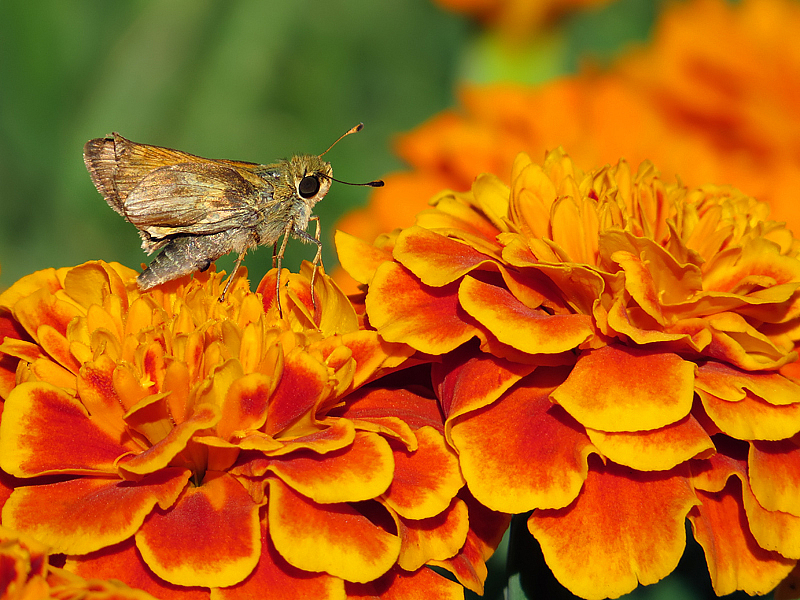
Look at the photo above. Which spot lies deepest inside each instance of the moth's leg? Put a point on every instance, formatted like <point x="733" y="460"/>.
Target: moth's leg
<point x="286" y="232"/>
<point x="303" y="235"/>
<point x="274" y="254"/>
<point x="236" y="266"/>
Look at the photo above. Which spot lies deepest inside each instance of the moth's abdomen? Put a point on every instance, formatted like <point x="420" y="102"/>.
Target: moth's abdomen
<point x="184" y="255"/>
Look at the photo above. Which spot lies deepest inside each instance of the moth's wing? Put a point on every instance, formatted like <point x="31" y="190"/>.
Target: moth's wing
<point x="197" y="198"/>
<point x="117" y="165"/>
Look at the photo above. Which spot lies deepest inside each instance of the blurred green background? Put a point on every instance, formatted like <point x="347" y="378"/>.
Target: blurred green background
<point x="241" y="79"/>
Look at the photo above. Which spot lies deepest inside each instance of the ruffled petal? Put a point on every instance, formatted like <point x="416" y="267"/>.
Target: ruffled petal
<point x="735" y="560"/>
<point x="73" y="518"/>
<point x="210" y="537"/>
<point x="403" y="309"/>
<point x="333" y="538"/>
<point x="28" y="447"/>
<point x="603" y="545"/>
<point x="536" y="434"/>
<point x="615" y="388"/>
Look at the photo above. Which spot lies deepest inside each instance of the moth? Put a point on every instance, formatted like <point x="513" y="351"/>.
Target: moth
<point x="195" y="210"/>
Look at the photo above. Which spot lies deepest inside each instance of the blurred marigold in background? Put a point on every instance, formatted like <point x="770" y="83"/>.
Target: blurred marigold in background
<point x="518" y="18"/>
<point x="713" y="98"/>
<point x="185" y="445"/>
<point x="616" y="356"/>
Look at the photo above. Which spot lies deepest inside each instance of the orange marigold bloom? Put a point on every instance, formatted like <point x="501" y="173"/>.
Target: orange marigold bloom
<point x="693" y="102"/>
<point x="25" y="574"/>
<point x="611" y="352"/>
<point x="186" y="445"/>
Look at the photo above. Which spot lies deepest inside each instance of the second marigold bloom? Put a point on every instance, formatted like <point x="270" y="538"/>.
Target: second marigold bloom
<point x="183" y="444"/>
<point x="614" y="357"/>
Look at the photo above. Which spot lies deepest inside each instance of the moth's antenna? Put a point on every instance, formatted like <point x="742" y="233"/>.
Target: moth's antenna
<point x="355" y="129"/>
<point x="376" y="183"/>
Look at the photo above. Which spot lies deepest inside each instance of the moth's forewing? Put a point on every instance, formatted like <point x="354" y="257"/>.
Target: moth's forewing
<point x="117" y="165"/>
<point x="196" y="198"/>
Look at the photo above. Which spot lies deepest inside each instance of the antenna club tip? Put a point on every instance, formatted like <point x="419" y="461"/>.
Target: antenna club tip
<point x="358" y="127"/>
<point x="377" y="183"/>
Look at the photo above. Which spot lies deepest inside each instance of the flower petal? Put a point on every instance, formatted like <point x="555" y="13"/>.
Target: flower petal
<point x="603" y="545"/>
<point x="542" y="460"/>
<point x="403" y="309"/>
<point x="160" y="454"/>
<point x="333" y="538"/>
<point x="465" y="382"/>
<point x="359" y="472"/>
<point x="774" y="471"/>
<point x="752" y="418"/>
<point x="400" y="585"/>
<point x="73" y="516"/>
<point x="436" y="538"/>
<point x="656" y="450"/>
<point x="530" y="330"/>
<point x="357" y="257"/>
<point x="33" y="411"/>
<point x="123" y="562"/>
<point x="210" y="537"/>
<point x="616" y="388"/>
<point x="426" y="480"/>
<point x="275" y="579"/>
<point x="735" y="560"/>
<point x="302" y="382"/>
<point x="436" y="259"/>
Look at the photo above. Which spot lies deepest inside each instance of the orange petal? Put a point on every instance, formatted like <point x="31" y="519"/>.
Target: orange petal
<point x="530" y="330"/>
<point x="729" y="383"/>
<point x="735" y="560"/>
<point x="360" y="472"/>
<point x="625" y="528"/>
<point x="465" y="382"/>
<point x="774" y="469"/>
<point x="400" y="585"/>
<point x="73" y="516"/>
<point x="245" y="405"/>
<point x="403" y="309"/>
<point x="426" y="480"/>
<point x="752" y="418"/>
<point x="377" y="404"/>
<point x="436" y="538"/>
<point x="275" y="579"/>
<point x="95" y="387"/>
<point x="656" y="450"/>
<point x="91" y="282"/>
<point x="372" y="354"/>
<point x="486" y="530"/>
<point x="357" y="257"/>
<point x="435" y="259"/>
<point x="616" y="388"/>
<point x="210" y="537"/>
<point x="333" y="538"/>
<point x="44" y="430"/>
<point x="43" y="308"/>
<point x="160" y="454"/>
<point x="123" y="562"/>
<point x="302" y="383"/>
<point x="523" y="452"/>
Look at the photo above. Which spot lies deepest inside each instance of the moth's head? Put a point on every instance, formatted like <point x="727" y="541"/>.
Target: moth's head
<point x="311" y="177"/>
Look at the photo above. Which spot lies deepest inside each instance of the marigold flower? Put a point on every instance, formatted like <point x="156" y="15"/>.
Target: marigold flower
<point x="611" y="352"/>
<point x="695" y="104"/>
<point x="25" y="574"/>
<point x="186" y="445"/>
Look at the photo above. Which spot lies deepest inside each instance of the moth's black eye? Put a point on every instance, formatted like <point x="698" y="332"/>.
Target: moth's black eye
<point x="309" y="186"/>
